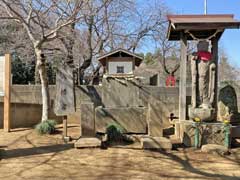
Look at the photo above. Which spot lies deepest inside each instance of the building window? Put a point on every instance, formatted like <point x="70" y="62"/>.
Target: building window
<point x="120" y="69"/>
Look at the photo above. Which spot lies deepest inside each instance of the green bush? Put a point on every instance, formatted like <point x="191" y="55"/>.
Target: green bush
<point x="46" y="127"/>
<point x="114" y="133"/>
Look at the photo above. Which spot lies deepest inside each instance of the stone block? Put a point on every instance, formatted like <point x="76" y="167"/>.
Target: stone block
<point x="235" y="132"/>
<point x="132" y="119"/>
<point x="148" y="142"/>
<point x="214" y="149"/>
<point x="120" y="93"/>
<point x="155" y="121"/>
<point x="158" y="116"/>
<point x="88" y="94"/>
<point x="87" y="143"/>
<point x="210" y="133"/>
<point x="87" y="119"/>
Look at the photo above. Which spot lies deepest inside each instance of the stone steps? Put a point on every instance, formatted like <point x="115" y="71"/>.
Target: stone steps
<point x="88" y="142"/>
<point x="148" y="142"/>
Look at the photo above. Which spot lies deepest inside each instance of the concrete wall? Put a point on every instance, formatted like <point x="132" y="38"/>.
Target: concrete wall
<point x="26" y="106"/>
<point x="137" y="108"/>
<point x="153" y="105"/>
<point x="25" y="115"/>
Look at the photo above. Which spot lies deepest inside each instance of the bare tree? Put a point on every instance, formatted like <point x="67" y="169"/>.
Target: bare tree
<point x="166" y="50"/>
<point x="42" y="21"/>
<point x="227" y="72"/>
<point x="121" y="24"/>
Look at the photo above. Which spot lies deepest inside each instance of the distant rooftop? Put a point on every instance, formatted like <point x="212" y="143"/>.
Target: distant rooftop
<point x="202" y="26"/>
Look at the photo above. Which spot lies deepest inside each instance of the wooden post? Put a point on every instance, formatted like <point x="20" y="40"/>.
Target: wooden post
<point x="64" y="127"/>
<point x="7" y="94"/>
<point x="215" y="59"/>
<point x="183" y="76"/>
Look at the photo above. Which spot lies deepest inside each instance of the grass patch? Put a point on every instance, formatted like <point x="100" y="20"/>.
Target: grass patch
<point x="46" y="127"/>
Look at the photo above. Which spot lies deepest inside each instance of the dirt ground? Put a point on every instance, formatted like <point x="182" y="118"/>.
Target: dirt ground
<point x="26" y="155"/>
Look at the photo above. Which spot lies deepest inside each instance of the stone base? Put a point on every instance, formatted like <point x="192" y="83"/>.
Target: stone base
<point x="87" y="143"/>
<point x="235" y="132"/>
<point x="205" y="114"/>
<point x="67" y="139"/>
<point x="210" y="133"/>
<point x="214" y="149"/>
<point x="148" y="142"/>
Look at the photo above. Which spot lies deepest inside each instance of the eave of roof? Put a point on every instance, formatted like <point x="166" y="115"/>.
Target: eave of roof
<point x="199" y="24"/>
<point x="119" y="50"/>
<point x="138" y="59"/>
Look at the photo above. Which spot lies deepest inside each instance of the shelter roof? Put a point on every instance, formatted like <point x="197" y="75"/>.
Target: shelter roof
<point x="120" y="53"/>
<point x="201" y="26"/>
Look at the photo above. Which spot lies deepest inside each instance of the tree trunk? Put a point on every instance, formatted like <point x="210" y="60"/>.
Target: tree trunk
<point x="41" y="68"/>
<point x="36" y="76"/>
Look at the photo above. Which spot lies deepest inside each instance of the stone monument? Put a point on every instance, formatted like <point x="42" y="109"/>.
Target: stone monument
<point x="203" y="84"/>
<point x="227" y="105"/>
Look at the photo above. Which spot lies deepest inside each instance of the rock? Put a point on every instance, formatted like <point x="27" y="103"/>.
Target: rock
<point x="227" y="105"/>
<point x="87" y="143"/>
<point x="215" y="149"/>
<point x="148" y="142"/>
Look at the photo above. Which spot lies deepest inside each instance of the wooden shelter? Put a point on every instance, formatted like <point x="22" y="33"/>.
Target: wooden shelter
<point x="120" y="61"/>
<point x="197" y="27"/>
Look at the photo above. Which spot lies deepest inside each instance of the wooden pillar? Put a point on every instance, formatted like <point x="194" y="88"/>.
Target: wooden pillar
<point x="64" y="127"/>
<point x="183" y="77"/>
<point x="7" y="94"/>
<point x="215" y="59"/>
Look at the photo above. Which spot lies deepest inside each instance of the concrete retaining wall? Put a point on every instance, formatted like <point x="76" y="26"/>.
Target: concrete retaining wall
<point x="157" y="102"/>
<point x="26" y="106"/>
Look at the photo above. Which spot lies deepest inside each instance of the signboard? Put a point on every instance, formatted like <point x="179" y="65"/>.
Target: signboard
<point x="2" y="75"/>
<point x="64" y="101"/>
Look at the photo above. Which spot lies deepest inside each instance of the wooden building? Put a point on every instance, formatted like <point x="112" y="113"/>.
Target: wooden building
<point x="120" y="62"/>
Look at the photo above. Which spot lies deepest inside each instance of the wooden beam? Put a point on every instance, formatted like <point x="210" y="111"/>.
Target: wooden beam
<point x="207" y="26"/>
<point x="183" y="77"/>
<point x="7" y="94"/>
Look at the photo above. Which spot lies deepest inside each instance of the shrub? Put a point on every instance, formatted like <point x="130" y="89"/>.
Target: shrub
<point x="114" y="132"/>
<point x="46" y="127"/>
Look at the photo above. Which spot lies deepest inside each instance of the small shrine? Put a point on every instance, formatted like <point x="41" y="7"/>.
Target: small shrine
<point x="206" y="30"/>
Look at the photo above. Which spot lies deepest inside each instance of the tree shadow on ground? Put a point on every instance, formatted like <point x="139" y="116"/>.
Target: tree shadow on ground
<point x="15" y="153"/>
<point x="187" y="166"/>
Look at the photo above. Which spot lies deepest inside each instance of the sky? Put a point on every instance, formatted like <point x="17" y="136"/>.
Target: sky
<point x="230" y="40"/>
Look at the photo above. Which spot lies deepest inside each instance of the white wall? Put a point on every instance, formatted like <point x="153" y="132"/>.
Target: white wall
<point x="112" y="66"/>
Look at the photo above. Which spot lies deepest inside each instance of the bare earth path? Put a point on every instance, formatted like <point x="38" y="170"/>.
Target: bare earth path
<point x="26" y="155"/>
